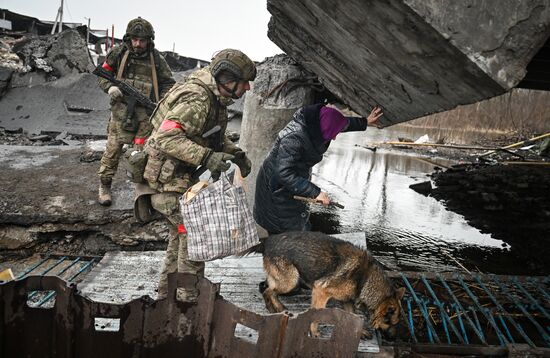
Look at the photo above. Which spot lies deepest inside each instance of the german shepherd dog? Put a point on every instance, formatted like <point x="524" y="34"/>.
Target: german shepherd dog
<point x="332" y="268"/>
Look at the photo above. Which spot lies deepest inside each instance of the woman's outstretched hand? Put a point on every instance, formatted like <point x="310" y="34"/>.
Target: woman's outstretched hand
<point x="374" y="116"/>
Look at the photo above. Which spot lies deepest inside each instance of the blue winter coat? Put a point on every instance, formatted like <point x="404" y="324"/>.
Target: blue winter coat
<point x="287" y="172"/>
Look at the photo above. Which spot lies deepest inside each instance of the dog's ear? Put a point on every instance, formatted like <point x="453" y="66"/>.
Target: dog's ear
<point x="399" y="293"/>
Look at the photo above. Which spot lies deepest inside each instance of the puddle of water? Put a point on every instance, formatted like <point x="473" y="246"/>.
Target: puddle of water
<point x="406" y="229"/>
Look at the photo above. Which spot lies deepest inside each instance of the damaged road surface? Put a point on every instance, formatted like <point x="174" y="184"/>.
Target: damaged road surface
<point x="49" y="203"/>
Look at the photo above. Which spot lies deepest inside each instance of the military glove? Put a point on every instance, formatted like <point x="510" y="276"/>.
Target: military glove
<point x="243" y="162"/>
<point x="216" y="161"/>
<point x="115" y="93"/>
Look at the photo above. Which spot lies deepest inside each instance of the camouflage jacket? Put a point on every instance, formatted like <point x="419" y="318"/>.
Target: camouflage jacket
<point x="137" y="72"/>
<point x="188" y="111"/>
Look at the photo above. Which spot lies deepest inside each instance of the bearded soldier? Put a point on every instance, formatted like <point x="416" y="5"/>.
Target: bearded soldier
<point x="140" y="65"/>
<point x="189" y="131"/>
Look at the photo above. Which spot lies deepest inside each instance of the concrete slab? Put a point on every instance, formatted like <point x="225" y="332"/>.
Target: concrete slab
<point x="74" y="104"/>
<point x="52" y="190"/>
<point x="52" y="184"/>
<point x="411" y="57"/>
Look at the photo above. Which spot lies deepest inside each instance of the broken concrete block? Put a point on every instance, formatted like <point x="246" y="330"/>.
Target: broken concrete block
<point x="59" y="54"/>
<point x="411" y="57"/>
<point x="69" y="54"/>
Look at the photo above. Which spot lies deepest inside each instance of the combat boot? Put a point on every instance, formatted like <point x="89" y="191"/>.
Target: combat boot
<point x="104" y="197"/>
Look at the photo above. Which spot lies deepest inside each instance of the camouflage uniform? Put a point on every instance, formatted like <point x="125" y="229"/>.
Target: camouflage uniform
<point x="175" y="149"/>
<point x="137" y="73"/>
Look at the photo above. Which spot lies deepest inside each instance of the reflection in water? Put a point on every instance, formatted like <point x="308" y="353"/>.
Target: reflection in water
<point x="406" y="230"/>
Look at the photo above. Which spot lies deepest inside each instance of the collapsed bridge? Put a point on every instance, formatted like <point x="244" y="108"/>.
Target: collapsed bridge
<point x="416" y="57"/>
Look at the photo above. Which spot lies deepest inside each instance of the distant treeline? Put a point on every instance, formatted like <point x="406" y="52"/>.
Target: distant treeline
<point x="518" y="113"/>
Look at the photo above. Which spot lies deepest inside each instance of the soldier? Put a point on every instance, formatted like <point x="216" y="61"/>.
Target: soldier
<point x="189" y="131"/>
<point x="139" y="64"/>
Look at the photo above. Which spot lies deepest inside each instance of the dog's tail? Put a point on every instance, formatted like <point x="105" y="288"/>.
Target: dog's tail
<point x="256" y="249"/>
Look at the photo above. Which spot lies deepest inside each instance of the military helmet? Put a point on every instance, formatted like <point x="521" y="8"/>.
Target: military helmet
<point x="140" y="28"/>
<point x="234" y="62"/>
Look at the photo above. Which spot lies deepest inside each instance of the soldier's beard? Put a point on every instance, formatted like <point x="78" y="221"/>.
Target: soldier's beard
<point x="139" y="50"/>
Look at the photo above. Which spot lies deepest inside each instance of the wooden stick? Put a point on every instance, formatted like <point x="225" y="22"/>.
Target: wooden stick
<point x="453" y="146"/>
<point x="458" y="263"/>
<point x="313" y="201"/>
<point x="518" y="144"/>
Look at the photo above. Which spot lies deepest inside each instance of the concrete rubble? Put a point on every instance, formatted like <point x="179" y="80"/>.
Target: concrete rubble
<point x="411" y="57"/>
<point x="52" y="90"/>
<point x="509" y="201"/>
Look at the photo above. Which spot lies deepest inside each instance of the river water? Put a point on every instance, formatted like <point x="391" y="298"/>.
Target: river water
<point x="405" y="230"/>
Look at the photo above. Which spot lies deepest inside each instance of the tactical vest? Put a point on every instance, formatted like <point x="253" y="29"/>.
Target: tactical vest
<point x="164" y="173"/>
<point x="138" y="72"/>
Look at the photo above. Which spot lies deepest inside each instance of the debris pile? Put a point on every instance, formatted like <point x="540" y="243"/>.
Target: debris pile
<point x="9" y="59"/>
<point x="9" y="62"/>
<point x="32" y="60"/>
<point x="46" y="87"/>
<point x="512" y="202"/>
<point x="57" y="55"/>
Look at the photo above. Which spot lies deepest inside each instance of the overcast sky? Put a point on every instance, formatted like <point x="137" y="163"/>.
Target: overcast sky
<point x="198" y="28"/>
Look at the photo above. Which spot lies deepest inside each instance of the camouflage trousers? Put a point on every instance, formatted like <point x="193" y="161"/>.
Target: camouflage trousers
<point x="116" y="138"/>
<point x="176" y="258"/>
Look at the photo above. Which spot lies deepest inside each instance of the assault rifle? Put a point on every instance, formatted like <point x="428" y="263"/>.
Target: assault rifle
<point x="132" y="96"/>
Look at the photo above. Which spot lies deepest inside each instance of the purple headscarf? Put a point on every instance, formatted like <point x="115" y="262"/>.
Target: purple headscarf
<point x="332" y="122"/>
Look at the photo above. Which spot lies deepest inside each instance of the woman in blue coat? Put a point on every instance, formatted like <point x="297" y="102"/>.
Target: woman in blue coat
<point x="286" y="171"/>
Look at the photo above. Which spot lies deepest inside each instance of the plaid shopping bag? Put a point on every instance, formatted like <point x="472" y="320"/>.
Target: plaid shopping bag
<point x="218" y="220"/>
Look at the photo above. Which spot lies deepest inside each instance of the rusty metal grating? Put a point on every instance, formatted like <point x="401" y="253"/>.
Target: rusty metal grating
<point x="475" y="310"/>
<point x="69" y="268"/>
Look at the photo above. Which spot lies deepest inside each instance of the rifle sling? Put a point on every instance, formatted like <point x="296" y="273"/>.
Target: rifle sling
<point x="120" y="71"/>
<point x="154" y="76"/>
